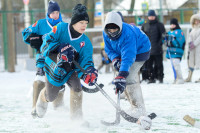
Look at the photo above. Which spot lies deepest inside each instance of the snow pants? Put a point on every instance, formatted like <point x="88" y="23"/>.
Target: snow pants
<point x="133" y="90"/>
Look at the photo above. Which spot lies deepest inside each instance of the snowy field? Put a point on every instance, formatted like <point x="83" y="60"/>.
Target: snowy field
<point x="169" y="101"/>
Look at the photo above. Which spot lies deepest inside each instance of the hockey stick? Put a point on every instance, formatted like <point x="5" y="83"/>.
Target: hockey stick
<point x="172" y="64"/>
<point x="92" y="90"/>
<point x="168" y="42"/>
<point x="117" y="120"/>
<point x="122" y="113"/>
<point x="191" y="121"/>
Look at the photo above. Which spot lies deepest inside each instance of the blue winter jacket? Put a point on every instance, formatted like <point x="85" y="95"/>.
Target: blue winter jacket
<point x="177" y="44"/>
<point x="40" y="27"/>
<point x="61" y="35"/>
<point x="132" y="45"/>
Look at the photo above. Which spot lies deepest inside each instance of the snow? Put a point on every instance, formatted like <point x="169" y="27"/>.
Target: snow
<point x="169" y="101"/>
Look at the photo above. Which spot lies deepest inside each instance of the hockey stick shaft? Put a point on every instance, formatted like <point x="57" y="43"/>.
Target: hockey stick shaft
<point x="122" y="113"/>
<point x="117" y="120"/>
<point x="172" y="63"/>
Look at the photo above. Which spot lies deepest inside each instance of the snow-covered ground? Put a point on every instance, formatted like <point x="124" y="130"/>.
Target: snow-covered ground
<point x="169" y="101"/>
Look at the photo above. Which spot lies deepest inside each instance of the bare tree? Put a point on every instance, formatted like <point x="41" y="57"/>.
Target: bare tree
<point x="131" y="7"/>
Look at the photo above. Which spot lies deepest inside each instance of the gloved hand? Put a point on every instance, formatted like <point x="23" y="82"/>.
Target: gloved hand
<point x="116" y="63"/>
<point x="91" y="77"/>
<point x="35" y="41"/>
<point x="145" y="122"/>
<point x="66" y="56"/>
<point x="191" y="45"/>
<point x="120" y="81"/>
<point x="105" y="61"/>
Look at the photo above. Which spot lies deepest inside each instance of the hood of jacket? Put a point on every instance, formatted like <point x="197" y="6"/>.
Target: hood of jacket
<point x="113" y="17"/>
<point x="192" y="19"/>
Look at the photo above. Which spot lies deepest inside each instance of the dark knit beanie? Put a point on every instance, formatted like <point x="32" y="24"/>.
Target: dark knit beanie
<point x="151" y="13"/>
<point x="79" y="14"/>
<point x="53" y="6"/>
<point x="174" y="21"/>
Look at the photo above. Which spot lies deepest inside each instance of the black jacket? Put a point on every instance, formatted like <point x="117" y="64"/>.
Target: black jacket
<point x="154" y="30"/>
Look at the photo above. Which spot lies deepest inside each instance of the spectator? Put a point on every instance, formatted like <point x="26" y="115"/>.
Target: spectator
<point x="194" y="46"/>
<point x="175" y="41"/>
<point x="154" y="30"/>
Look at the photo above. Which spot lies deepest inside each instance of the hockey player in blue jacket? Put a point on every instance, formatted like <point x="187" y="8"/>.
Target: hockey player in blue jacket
<point x="175" y="43"/>
<point x="128" y="48"/>
<point x="33" y="36"/>
<point x="67" y="42"/>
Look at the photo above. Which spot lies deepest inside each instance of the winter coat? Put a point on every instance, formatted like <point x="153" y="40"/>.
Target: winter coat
<point x="132" y="45"/>
<point x="154" y="30"/>
<point x="40" y="27"/>
<point x="194" y="36"/>
<point x="177" y="44"/>
<point x="61" y="35"/>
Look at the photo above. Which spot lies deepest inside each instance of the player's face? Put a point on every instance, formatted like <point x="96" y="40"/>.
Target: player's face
<point x="172" y="26"/>
<point x="112" y="30"/>
<point x="151" y="17"/>
<point x="54" y="15"/>
<point x="80" y="26"/>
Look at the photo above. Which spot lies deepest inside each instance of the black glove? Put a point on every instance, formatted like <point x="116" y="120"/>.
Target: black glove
<point x="116" y="63"/>
<point x="66" y="56"/>
<point x="35" y="41"/>
<point x="120" y="81"/>
<point x="91" y="77"/>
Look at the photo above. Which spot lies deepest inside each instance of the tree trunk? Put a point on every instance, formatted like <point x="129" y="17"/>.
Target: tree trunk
<point x="11" y="38"/>
<point x="90" y="4"/>
<point x="131" y="7"/>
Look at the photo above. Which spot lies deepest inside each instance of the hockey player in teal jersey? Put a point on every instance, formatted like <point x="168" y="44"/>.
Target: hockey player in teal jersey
<point x="33" y="36"/>
<point x="67" y="42"/>
<point x="175" y="48"/>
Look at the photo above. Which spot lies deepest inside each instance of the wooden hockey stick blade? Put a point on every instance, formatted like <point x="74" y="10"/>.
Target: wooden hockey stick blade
<point x="191" y="121"/>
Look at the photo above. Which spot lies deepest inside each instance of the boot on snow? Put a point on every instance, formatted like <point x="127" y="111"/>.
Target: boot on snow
<point x="41" y="105"/>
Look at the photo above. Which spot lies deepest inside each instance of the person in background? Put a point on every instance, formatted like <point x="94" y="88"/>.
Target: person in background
<point x="128" y="48"/>
<point x="33" y="36"/>
<point x="175" y="41"/>
<point x="104" y="61"/>
<point x="140" y="21"/>
<point x="194" y="46"/>
<point x="154" y="30"/>
<point x="65" y="44"/>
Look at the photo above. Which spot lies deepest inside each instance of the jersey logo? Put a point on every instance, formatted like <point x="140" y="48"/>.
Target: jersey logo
<point x="35" y="24"/>
<point x="176" y="32"/>
<point x="54" y="29"/>
<point x="82" y="44"/>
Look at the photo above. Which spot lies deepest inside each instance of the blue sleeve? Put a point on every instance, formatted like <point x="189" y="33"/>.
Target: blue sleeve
<point x="109" y="50"/>
<point x="31" y="29"/>
<point x="85" y="56"/>
<point x="128" y="53"/>
<point x="51" y="40"/>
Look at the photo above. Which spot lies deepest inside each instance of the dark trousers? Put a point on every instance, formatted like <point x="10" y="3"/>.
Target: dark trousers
<point x="155" y="67"/>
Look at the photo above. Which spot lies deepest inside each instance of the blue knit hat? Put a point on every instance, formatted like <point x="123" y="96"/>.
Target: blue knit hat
<point x="53" y="6"/>
<point x="151" y="13"/>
